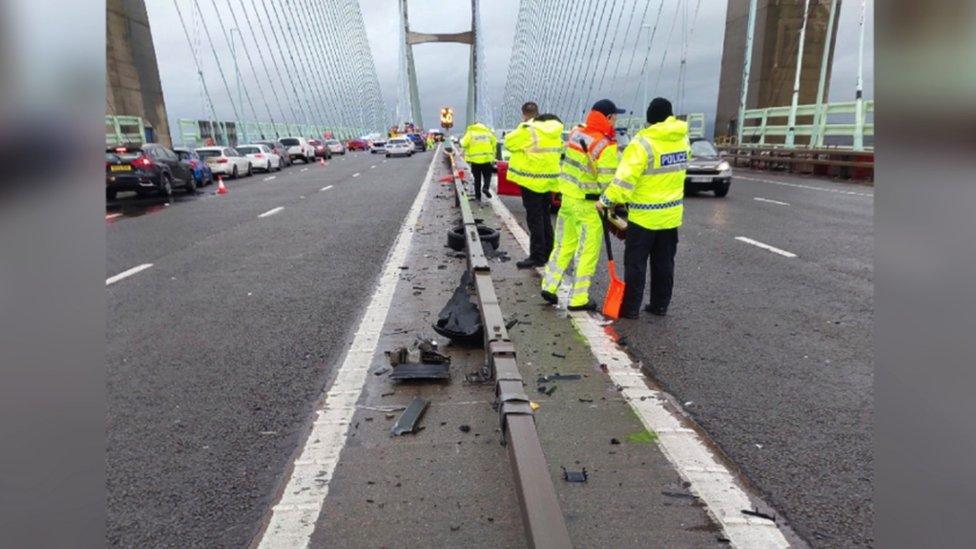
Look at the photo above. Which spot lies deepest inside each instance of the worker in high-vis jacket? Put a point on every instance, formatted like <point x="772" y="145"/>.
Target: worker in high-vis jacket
<point x="536" y="145"/>
<point x="479" y="143"/>
<point x="588" y="166"/>
<point x="651" y="182"/>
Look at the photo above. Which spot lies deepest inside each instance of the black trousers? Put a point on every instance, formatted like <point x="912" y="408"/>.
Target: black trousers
<point x="481" y="173"/>
<point x="539" y="219"/>
<point x="643" y="246"/>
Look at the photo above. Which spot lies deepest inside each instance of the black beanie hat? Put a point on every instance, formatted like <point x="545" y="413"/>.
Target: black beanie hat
<point x="659" y="110"/>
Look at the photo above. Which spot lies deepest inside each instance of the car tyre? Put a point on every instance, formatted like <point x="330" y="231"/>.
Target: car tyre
<point x="250" y="169"/>
<point x="456" y="239"/>
<point x="722" y="190"/>
<point x="167" y="188"/>
<point x="234" y="174"/>
<point x="191" y="185"/>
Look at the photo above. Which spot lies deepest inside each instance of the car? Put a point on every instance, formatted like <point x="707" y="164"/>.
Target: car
<point x="707" y="170"/>
<point x="278" y="149"/>
<point x="357" y="145"/>
<point x="201" y="172"/>
<point x="419" y="144"/>
<point x="298" y="149"/>
<point x="335" y="146"/>
<point x="399" y="146"/>
<point x="377" y="146"/>
<point x="321" y="151"/>
<point x="145" y="169"/>
<point x="261" y="157"/>
<point x="226" y="161"/>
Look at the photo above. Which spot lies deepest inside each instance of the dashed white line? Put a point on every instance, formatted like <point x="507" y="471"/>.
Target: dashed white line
<point x="269" y="178"/>
<point x="125" y="274"/>
<point x="355" y="174"/>
<point x="799" y="186"/>
<point x="765" y="246"/>
<point x="760" y="199"/>
<point x="272" y="211"/>
<point x="709" y="478"/>
<point x="373" y="166"/>
<point x="294" y="517"/>
<point x="304" y="169"/>
<point x="327" y="187"/>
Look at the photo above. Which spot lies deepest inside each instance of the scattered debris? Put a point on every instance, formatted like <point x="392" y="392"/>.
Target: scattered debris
<point x="551" y="390"/>
<point x="460" y="320"/>
<point x="559" y="377"/>
<point x="465" y="428"/>
<point x="604" y="368"/>
<point x="428" y="351"/>
<point x="614" y="441"/>
<point x="558" y="355"/>
<point x="757" y="513"/>
<point x="391" y="393"/>
<point x="534" y="405"/>
<point x="421" y="371"/>
<point x="575" y="476"/>
<point x="407" y="422"/>
<point x="680" y="495"/>
<point x="398" y="356"/>
<point x="381" y="371"/>
<point x="510" y="323"/>
<point x="384" y="408"/>
<point x="586" y="399"/>
<point x="541" y="389"/>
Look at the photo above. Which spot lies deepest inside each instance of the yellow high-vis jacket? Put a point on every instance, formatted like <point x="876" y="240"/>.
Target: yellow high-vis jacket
<point x="479" y="144"/>
<point x="536" y="146"/>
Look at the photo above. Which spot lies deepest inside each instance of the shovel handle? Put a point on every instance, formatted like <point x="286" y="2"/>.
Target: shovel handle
<point x="606" y="235"/>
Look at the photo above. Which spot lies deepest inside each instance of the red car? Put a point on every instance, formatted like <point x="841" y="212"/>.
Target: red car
<point x="321" y="151"/>
<point x="357" y="145"/>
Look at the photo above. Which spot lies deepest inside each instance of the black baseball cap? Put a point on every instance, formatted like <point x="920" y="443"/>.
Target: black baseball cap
<point x="607" y="107"/>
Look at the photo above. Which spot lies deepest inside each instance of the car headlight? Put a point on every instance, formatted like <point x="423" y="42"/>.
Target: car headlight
<point x="724" y="167"/>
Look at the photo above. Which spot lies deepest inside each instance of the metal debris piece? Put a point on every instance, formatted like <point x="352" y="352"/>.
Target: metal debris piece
<point x="575" y="476"/>
<point x="421" y="371"/>
<point x="614" y="441"/>
<point x="551" y="390"/>
<point x="757" y="513"/>
<point x="559" y="377"/>
<point x="558" y="355"/>
<point x="381" y="371"/>
<point x="465" y="428"/>
<point x="428" y="351"/>
<point x="407" y="422"/>
<point x="400" y="355"/>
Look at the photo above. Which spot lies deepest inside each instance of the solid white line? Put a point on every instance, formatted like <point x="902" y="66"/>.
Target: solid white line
<point x="272" y="211"/>
<point x="691" y="457"/>
<point x="760" y="199"/>
<point x="124" y="274"/>
<point x="270" y="178"/>
<point x="112" y="216"/>
<point x="293" y="518"/>
<point x="799" y="186"/>
<point x="326" y="188"/>
<point x="373" y="166"/>
<point x="355" y="174"/>
<point x="764" y="246"/>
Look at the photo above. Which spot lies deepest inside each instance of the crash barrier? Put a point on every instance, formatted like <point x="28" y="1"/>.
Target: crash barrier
<point x="832" y="162"/>
<point x="541" y="515"/>
<point x="827" y="123"/>
<point x="124" y="130"/>
<point x="638" y="121"/>
<point x="199" y="133"/>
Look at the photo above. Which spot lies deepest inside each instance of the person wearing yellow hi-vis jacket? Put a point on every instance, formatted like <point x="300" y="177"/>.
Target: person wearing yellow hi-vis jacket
<point x="536" y="145"/>
<point x="479" y="149"/>
<point x="651" y="181"/>
<point x="588" y="166"/>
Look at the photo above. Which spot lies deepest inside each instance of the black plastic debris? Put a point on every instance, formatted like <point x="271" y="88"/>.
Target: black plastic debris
<point x="558" y="355"/>
<point x="460" y="320"/>
<point x="400" y="355"/>
<point x="491" y="252"/>
<point x="408" y="420"/>
<point x="429" y="353"/>
<point x="412" y="371"/>
<point x="758" y="513"/>
<point x="559" y="377"/>
<point x="550" y="390"/>
<point x="575" y="476"/>
<point x="465" y="428"/>
<point x="615" y="441"/>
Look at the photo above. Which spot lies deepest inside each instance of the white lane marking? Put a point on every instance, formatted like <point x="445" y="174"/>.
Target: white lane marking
<point x="765" y="246"/>
<point x="293" y="518"/>
<point x="326" y="188"/>
<point x="760" y="199"/>
<point x="304" y="169"/>
<point x="124" y="274"/>
<point x="272" y="211"/>
<point x="355" y="174"/>
<point x="708" y="477"/>
<point x="799" y="186"/>
<point x="269" y="178"/>
<point x="112" y="216"/>
<point x="373" y="166"/>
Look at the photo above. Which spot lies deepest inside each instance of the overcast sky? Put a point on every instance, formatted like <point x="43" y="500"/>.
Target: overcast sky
<point x="442" y="68"/>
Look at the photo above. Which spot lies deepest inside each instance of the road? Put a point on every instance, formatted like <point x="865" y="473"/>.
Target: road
<point x="772" y="355"/>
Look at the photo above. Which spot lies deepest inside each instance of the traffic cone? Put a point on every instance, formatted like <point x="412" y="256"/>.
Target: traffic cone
<point x="221" y="189"/>
<point x="322" y="161"/>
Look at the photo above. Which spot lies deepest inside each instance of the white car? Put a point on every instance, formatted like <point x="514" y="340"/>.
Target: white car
<point x="225" y="161"/>
<point x="377" y="146"/>
<point x="261" y="157"/>
<point x="335" y="146"/>
<point x="399" y="146"/>
<point x="299" y="149"/>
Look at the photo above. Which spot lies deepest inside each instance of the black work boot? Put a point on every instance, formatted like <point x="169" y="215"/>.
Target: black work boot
<point x="550" y="297"/>
<point x="656" y="310"/>
<point x="487" y="193"/>
<point x="527" y="263"/>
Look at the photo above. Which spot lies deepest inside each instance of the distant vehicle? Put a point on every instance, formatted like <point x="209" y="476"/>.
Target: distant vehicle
<point x="226" y="161"/>
<point x="278" y="149"/>
<point x="437" y="134"/>
<point x="399" y="146"/>
<point x="146" y="169"/>
<point x="261" y="157"/>
<point x="419" y="144"/>
<point x="357" y="145"/>
<point x="335" y="146"/>
<point x="707" y="170"/>
<point x="298" y="149"/>
<point x="377" y="146"/>
<point x="321" y="151"/>
<point x="202" y="173"/>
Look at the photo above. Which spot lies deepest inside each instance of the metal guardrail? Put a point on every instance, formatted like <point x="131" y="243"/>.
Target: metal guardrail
<point x="197" y="133"/>
<point x="818" y="130"/>
<point x="821" y="161"/>
<point x="122" y="130"/>
<point x="545" y="526"/>
<point x="696" y="123"/>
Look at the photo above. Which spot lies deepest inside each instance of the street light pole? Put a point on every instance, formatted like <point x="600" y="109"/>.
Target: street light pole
<point x="791" y="132"/>
<point x="747" y="62"/>
<point x="858" y="98"/>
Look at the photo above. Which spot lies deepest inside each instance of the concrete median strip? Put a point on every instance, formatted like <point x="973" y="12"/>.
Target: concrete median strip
<point x="765" y="246"/>
<point x="684" y="447"/>
<point x="127" y="273"/>
<point x="272" y="211"/>
<point x="294" y="516"/>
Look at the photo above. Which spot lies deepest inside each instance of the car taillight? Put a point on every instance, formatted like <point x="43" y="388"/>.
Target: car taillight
<point x="259" y="155"/>
<point x="221" y="160"/>
<point x="143" y="162"/>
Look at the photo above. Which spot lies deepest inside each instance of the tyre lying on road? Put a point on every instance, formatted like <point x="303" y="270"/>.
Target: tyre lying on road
<point x="146" y="169"/>
<point x="707" y="170"/>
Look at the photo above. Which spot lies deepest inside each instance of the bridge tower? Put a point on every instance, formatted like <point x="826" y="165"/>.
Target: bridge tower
<point x="408" y="101"/>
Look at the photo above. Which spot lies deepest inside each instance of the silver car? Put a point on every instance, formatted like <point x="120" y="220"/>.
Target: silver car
<point x="399" y="146"/>
<point x="707" y="170"/>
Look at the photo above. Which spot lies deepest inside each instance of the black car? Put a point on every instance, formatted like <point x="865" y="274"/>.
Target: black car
<point x="707" y="170"/>
<point x="146" y="169"/>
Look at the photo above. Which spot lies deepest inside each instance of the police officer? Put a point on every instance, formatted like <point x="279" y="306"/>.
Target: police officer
<point x="536" y="145"/>
<point x="650" y="181"/>
<point x="589" y="164"/>
<point x="479" y="143"/>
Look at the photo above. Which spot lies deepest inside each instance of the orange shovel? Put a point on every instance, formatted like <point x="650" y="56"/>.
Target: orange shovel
<point x="615" y="293"/>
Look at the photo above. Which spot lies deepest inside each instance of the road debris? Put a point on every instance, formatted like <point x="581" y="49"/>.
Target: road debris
<point x="559" y="377"/>
<point x="460" y="319"/>
<point x="575" y="476"/>
<point x="465" y="428"/>
<point x="757" y="513"/>
<point x="408" y="420"/>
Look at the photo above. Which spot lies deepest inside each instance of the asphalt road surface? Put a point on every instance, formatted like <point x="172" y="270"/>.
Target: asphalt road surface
<point x="770" y="350"/>
<point x="217" y="352"/>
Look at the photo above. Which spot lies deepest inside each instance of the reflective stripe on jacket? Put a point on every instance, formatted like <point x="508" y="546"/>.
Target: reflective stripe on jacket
<point x="651" y="176"/>
<point x="536" y="146"/>
<point x="478" y="144"/>
<point x="591" y="158"/>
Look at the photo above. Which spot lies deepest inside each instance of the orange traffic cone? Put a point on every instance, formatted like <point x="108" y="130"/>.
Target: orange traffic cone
<point x="221" y="189"/>
<point x="322" y="161"/>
